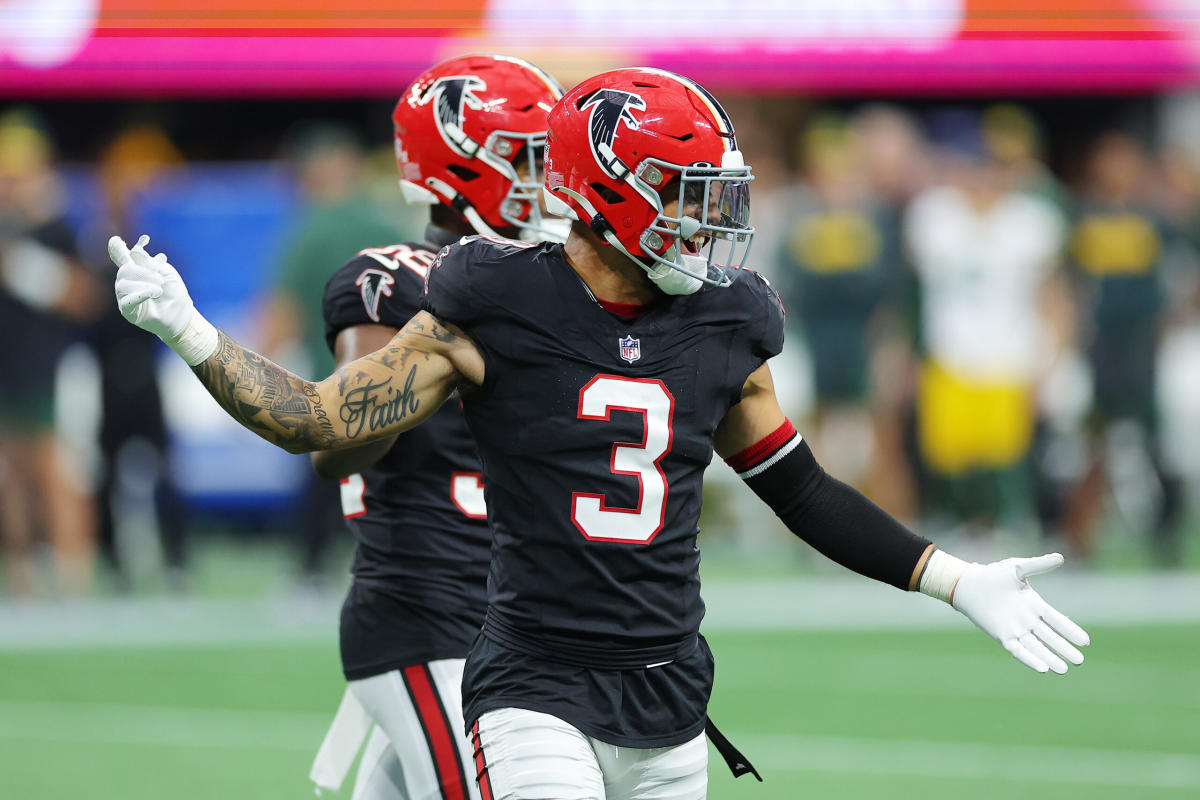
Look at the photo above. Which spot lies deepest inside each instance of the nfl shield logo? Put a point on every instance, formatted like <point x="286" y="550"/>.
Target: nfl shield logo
<point x="631" y="349"/>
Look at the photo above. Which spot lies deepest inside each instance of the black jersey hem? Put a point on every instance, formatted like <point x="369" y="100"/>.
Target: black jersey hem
<point x="373" y="668"/>
<point x="590" y="656"/>
<point x="474" y="711"/>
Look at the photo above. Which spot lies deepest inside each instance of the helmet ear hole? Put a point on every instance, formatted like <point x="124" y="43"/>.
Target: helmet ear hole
<point x="462" y="173"/>
<point x="607" y="194"/>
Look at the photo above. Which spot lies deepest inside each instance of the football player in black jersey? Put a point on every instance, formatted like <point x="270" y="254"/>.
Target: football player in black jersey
<point x="470" y="134"/>
<point x="598" y="377"/>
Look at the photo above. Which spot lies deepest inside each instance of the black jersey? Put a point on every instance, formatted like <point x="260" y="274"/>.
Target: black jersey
<point x="418" y="514"/>
<point x="594" y="432"/>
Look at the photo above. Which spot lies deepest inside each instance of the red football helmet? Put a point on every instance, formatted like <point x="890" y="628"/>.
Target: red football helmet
<point x="621" y="142"/>
<point x="464" y="130"/>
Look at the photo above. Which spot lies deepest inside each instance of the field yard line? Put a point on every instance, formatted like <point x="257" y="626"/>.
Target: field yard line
<point x="301" y="731"/>
<point x="801" y="603"/>
<point x="1173" y="686"/>
<point x="823" y="603"/>
<point x="974" y="760"/>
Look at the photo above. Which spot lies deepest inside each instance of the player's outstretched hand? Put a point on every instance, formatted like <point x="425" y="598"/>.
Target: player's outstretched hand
<point x="152" y="296"/>
<point x="998" y="598"/>
<point x="150" y="292"/>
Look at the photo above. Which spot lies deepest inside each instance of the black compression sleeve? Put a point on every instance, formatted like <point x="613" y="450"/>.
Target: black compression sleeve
<point x="836" y="519"/>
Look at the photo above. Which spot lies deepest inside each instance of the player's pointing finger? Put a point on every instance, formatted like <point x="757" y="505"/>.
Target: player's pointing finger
<point x="118" y="251"/>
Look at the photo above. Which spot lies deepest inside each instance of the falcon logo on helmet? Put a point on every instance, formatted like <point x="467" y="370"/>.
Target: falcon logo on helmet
<point x="375" y="284"/>
<point x="609" y="108"/>
<point x="450" y="95"/>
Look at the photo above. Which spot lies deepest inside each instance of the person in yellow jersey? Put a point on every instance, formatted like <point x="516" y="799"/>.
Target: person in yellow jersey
<point x="839" y="260"/>
<point x="1118" y="247"/>
<point x="984" y="255"/>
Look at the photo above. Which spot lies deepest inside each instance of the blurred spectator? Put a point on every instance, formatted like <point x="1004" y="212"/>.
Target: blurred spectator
<point x="340" y="220"/>
<point x="1118" y="247"/>
<point x="896" y="165"/>
<point x="894" y="157"/>
<point x="133" y="482"/>
<point x="1178" y="198"/>
<point x="43" y="486"/>
<point x="983" y="254"/>
<point x="837" y="263"/>
<point x="1014" y="141"/>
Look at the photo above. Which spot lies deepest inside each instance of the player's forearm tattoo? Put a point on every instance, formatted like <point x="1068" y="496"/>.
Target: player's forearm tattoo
<point x="377" y="405"/>
<point x="281" y="407"/>
<point x="432" y="331"/>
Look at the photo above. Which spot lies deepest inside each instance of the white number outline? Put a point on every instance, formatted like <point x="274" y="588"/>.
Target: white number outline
<point x="602" y="506"/>
<point x="353" y="494"/>
<point x="470" y="494"/>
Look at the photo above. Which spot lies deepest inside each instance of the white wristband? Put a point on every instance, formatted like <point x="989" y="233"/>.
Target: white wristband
<point x="941" y="575"/>
<point x="197" y="342"/>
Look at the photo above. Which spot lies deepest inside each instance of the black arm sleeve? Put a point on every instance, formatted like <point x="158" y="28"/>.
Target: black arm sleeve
<point x="837" y="520"/>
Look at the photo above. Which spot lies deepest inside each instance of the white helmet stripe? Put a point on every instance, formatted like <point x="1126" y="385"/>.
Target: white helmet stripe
<point x="554" y="86"/>
<point x="724" y="124"/>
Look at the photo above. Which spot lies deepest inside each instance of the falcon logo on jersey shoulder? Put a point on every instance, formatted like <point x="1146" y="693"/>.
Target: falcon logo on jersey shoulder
<point x="611" y="107"/>
<point x="450" y="95"/>
<point x="374" y="284"/>
<point x="631" y="348"/>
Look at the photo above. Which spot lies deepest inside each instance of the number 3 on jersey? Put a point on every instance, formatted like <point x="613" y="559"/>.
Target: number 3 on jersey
<point x="590" y="512"/>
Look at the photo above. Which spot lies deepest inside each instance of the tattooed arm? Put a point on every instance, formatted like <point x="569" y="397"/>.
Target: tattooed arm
<point x="374" y="397"/>
<point x="354" y="342"/>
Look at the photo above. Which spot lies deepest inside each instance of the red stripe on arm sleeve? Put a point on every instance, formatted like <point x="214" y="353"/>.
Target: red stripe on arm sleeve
<point x="763" y="448"/>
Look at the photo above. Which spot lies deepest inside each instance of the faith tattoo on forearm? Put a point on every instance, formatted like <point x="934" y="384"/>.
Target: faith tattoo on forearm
<point x="377" y="405"/>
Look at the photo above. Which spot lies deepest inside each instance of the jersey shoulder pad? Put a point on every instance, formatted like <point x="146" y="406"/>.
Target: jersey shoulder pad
<point x="472" y="278"/>
<point x="379" y="286"/>
<point x="768" y="314"/>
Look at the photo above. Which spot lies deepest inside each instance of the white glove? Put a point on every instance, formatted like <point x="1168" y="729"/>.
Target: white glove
<point x="152" y="296"/>
<point x="998" y="598"/>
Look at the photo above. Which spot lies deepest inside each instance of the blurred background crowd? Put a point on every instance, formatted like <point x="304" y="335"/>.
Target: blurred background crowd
<point x="993" y="311"/>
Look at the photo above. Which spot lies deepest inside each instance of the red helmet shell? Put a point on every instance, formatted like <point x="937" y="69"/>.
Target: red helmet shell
<point x="450" y="127"/>
<point x="607" y="126"/>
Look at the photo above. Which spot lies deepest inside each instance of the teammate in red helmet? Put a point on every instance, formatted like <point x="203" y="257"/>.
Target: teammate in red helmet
<point x="470" y="133"/>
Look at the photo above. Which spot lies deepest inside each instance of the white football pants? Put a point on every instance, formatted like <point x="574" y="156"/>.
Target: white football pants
<point x="417" y="749"/>
<point x="526" y="755"/>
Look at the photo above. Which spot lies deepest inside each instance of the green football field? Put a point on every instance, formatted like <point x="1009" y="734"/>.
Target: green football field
<point x="901" y="714"/>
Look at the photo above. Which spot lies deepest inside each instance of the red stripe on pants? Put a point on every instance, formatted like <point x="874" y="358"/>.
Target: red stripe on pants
<point x="445" y="756"/>
<point x="481" y="773"/>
